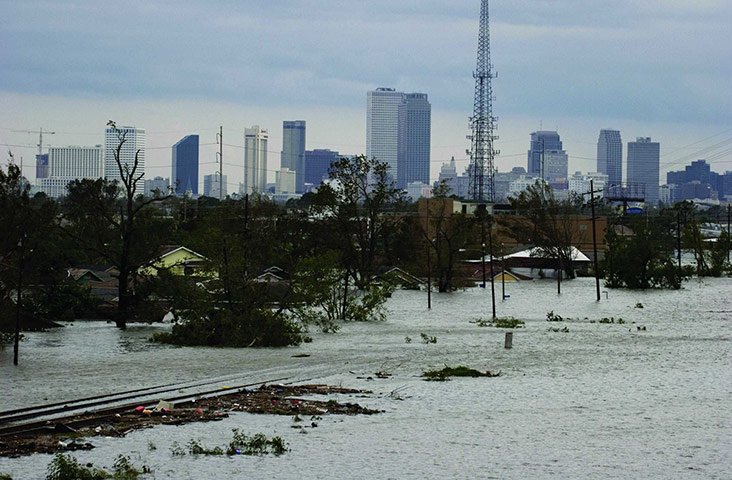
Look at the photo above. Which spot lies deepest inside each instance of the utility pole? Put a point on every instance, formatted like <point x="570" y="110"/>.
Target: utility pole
<point x="21" y="261"/>
<point x="220" y="141"/>
<point x="729" y="215"/>
<point x="678" y="238"/>
<point x="429" y="277"/>
<point x="482" y="245"/>
<point x="490" y="247"/>
<point x="503" y="273"/>
<point x="594" y="239"/>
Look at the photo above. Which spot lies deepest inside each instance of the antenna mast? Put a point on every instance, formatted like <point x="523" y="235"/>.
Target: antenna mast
<point x="483" y="123"/>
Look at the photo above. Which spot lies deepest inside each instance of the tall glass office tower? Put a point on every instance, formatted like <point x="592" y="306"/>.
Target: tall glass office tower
<point x="643" y="166"/>
<point x="610" y="156"/>
<point x="293" y="151"/>
<point x="546" y="145"/>
<point x="413" y="141"/>
<point x="185" y="165"/>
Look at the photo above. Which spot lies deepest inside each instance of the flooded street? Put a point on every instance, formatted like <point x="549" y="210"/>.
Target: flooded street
<point x="601" y="401"/>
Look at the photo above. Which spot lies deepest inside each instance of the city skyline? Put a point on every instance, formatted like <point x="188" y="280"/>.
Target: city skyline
<point x="331" y="78"/>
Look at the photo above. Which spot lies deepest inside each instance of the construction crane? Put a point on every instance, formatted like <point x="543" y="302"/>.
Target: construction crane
<point x="40" y="133"/>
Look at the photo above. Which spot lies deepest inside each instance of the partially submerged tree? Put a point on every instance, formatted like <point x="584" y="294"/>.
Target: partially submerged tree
<point x="112" y="219"/>
<point x="357" y="202"/>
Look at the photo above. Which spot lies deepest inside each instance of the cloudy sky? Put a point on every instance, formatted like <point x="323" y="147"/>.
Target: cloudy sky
<point x="660" y="68"/>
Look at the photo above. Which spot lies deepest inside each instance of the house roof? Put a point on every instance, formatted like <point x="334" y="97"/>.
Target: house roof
<point x="536" y="252"/>
<point x="170" y="249"/>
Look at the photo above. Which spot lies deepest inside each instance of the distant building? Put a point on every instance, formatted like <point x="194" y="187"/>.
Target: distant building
<point x="459" y="185"/>
<point x="502" y="181"/>
<point x="643" y="166"/>
<point x="317" y="165"/>
<point x="556" y="166"/>
<point x="698" y="176"/>
<point x="185" y="165"/>
<point x="668" y="194"/>
<point x="580" y="183"/>
<point x="292" y="156"/>
<point x="610" y="156"/>
<point x="520" y="184"/>
<point x="42" y="166"/>
<point x="133" y="146"/>
<point x="285" y="181"/>
<point x="255" y="160"/>
<point x="157" y="186"/>
<point x="413" y="141"/>
<point x="212" y="186"/>
<point x="382" y="126"/>
<point x="542" y="144"/>
<point x="417" y="190"/>
<point x="66" y="164"/>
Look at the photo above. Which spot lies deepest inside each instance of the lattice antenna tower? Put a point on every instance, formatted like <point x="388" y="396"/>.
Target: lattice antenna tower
<point x="483" y="124"/>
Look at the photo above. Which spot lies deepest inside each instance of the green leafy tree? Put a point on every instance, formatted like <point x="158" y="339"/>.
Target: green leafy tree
<point x="359" y="206"/>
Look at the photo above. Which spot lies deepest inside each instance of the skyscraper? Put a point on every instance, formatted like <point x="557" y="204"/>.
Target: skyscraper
<point x="382" y="126"/>
<point x="643" y="166"/>
<point x="546" y="158"/>
<point x="42" y="166"/>
<point x="133" y="145"/>
<point x="413" y="141"/>
<point x="185" y="165"/>
<point x="255" y="160"/>
<point x="66" y="164"/>
<point x="293" y="151"/>
<point x="610" y="156"/>
<point x="317" y="165"/>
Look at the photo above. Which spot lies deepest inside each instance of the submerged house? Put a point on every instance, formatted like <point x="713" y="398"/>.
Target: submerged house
<point x="178" y="260"/>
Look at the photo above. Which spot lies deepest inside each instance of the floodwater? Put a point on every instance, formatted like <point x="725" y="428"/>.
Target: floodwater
<point x="601" y="401"/>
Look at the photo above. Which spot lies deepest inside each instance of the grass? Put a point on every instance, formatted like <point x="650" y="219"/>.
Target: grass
<point x="459" y="371"/>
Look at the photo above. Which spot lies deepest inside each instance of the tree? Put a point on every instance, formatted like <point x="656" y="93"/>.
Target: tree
<point x="546" y="223"/>
<point x="446" y="234"/>
<point x="642" y="260"/>
<point x="115" y="222"/>
<point x="357" y="203"/>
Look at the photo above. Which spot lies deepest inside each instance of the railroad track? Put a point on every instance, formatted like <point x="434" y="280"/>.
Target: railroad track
<point x="77" y="412"/>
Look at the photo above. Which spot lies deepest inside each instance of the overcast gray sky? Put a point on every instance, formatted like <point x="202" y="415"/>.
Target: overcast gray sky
<point x="659" y="68"/>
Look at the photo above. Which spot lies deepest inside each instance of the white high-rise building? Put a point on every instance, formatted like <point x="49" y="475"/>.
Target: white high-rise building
<point x="255" y="160"/>
<point x="212" y="186"/>
<point x="66" y="164"/>
<point x="580" y="184"/>
<point x="133" y="146"/>
<point x="285" y="181"/>
<point x="382" y="126"/>
<point x="75" y="162"/>
<point x="157" y="186"/>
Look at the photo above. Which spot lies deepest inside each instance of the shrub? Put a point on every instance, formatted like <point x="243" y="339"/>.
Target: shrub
<point x="444" y="374"/>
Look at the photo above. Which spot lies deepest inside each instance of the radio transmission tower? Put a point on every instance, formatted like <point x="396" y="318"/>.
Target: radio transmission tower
<point x="483" y="123"/>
